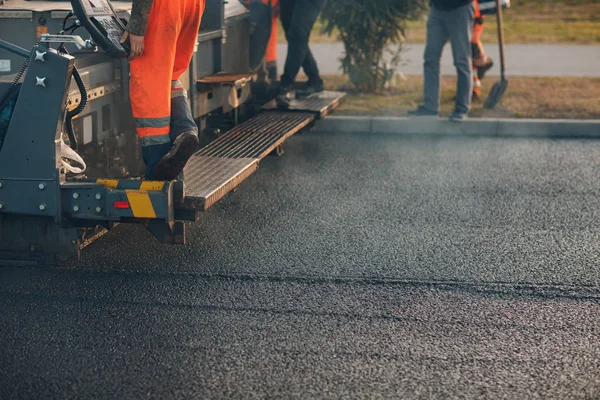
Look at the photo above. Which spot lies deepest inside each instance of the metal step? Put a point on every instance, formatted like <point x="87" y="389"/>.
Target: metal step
<point x="221" y="166"/>
<point x="223" y="79"/>
<point x="321" y="104"/>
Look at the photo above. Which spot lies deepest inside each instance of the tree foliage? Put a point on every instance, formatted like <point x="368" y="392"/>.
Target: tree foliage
<point x="372" y="32"/>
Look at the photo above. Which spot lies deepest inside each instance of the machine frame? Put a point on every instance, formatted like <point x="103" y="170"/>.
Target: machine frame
<point x="47" y="214"/>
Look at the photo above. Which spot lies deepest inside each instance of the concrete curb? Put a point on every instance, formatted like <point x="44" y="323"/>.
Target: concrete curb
<point x="560" y="128"/>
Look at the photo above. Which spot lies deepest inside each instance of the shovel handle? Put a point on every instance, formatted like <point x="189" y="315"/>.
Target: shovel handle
<point x="500" y="36"/>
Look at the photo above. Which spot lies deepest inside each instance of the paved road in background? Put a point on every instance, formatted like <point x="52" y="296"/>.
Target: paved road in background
<point x="521" y="59"/>
<point x="354" y="266"/>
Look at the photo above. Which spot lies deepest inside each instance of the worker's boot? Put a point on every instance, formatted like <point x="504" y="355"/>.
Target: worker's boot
<point x="272" y="72"/>
<point x="483" y="66"/>
<point x="284" y="96"/>
<point x="312" y="87"/>
<point x="422" y="111"/>
<point x="171" y="165"/>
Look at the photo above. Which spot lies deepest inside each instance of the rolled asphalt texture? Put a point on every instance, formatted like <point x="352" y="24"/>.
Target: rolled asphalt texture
<point x="356" y="265"/>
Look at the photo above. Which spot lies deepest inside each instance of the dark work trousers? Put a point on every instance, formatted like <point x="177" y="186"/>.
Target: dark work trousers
<point x="298" y="18"/>
<point x="457" y="26"/>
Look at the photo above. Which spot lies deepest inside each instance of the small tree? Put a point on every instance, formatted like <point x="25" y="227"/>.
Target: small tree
<point x="372" y="32"/>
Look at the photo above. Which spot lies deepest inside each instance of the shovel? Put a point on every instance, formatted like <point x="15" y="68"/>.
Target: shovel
<point x="499" y="88"/>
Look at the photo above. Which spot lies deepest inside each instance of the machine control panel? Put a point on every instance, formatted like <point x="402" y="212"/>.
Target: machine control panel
<point x="103" y="24"/>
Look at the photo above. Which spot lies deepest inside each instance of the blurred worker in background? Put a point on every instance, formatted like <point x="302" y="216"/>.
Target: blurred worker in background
<point x="298" y="18"/>
<point x="448" y="20"/>
<point x="271" y="56"/>
<point x="162" y="36"/>
<point x="481" y="62"/>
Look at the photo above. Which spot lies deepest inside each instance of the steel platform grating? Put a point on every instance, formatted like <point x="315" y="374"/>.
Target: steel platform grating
<point x="321" y="104"/>
<point x="222" y="165"/>
<point x="209" y="179"/>
<point x="258" y="136"/>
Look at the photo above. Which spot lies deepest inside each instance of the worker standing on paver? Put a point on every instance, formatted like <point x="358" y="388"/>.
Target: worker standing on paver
<point x="448" y="20"/>
<point x="298" y="18"/>
<point x="481" y="62"/>
<point x="162" y="36"/>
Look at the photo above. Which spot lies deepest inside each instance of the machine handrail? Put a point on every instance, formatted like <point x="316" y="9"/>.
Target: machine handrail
<point x="14" y="49"/>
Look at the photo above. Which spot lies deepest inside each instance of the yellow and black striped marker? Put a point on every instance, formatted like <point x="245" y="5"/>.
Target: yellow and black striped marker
<point x="134" y="198"/>
<point x="133" y="184"/>
<point x="145" y="199"/>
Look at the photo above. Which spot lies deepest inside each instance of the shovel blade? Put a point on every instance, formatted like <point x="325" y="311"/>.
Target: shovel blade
<point x="496" y="94"/>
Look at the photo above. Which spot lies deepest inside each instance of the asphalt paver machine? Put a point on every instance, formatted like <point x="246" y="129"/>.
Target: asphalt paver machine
<point x="70" y="163"/>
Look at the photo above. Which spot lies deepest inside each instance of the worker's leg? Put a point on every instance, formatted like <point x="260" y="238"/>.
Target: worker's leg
<point x="476" y="44"/>
<point x="182" y="119"/>
<point x="476" y="94"/>
<point x="150" y="84"/>
<point x="460" y="27"/>
<point x="185" y="131"/>
<point x="477" y="52"/>
<point x="481" y="61"/>
<point x="437" y="36"/>
<point x="286" y="11"/>
<point x="309" y="65"/>
<point x="304" y="15"/>
<point x="271" y="56"/>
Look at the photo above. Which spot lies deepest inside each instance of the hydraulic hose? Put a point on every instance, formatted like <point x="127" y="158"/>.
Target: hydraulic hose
<point x="77" y="110"/>
<point x="9" y="93"/>
<point x="64" y="24"/>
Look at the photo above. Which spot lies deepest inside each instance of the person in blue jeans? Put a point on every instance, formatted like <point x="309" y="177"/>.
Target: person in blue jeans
<point x="448" y="20"/>
<point x="298" y="18"/>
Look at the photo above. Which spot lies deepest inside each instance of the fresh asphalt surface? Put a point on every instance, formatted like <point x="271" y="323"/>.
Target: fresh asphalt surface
<point x="354" y="266"/>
